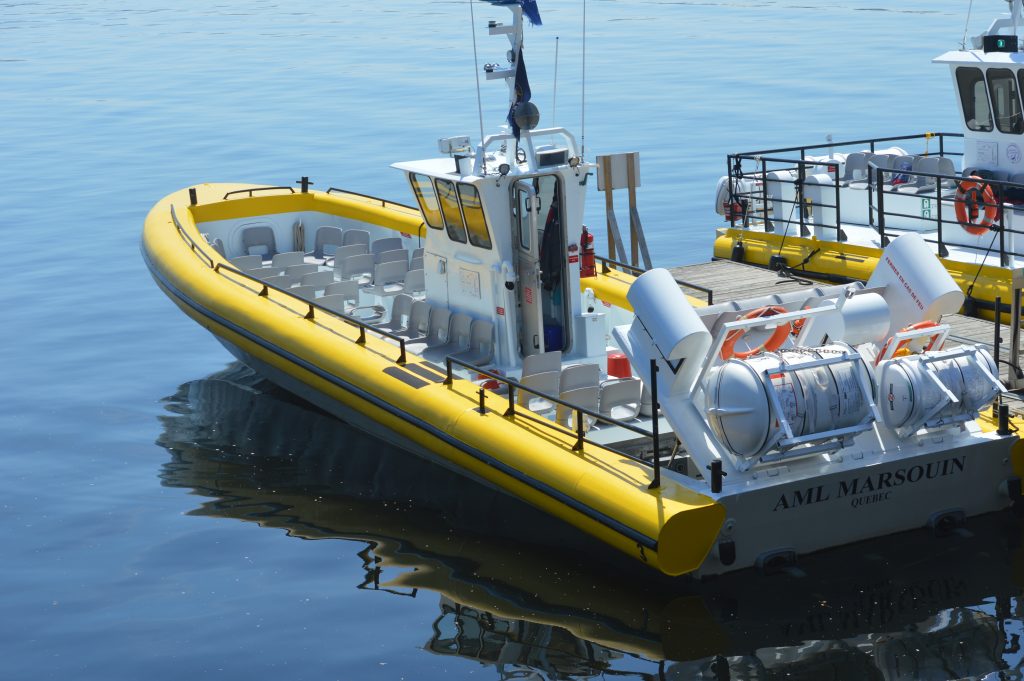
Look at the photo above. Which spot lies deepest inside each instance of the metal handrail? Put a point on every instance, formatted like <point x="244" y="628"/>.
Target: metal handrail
<point x="219" y="268"/>
<point x="607" y="264"/>
<point x="580" y="412"/>
<point x="291" y="190"/>
<point x="383" y="202"/>
<point x="870" y="141"/>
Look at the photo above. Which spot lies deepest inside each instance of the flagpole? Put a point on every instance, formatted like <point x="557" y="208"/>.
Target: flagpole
<point x="476" y="72"/>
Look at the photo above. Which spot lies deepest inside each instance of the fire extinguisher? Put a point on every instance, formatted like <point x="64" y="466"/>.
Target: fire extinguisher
<point x="588" y="267"/>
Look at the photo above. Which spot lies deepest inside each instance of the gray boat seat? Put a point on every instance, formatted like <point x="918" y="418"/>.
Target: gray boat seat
<point x="355" y="236"/>
<point x="247" y="262"/>
<point x="620" y="398"/>
<point x="457" y="337"/>
<point x="318" y="280"/>
<point x="391" y="243"/>
<point x="585" y="397"/>
<point x="401" y="308"/>
<point x="259" y="240"/>
<point x="856" y="168"/>
<point x="542" y="363"/>
<point x="416" y="263"/>
<point x="535" y="387"/>
<point x="397" y="255"/>
<point x="299" y="271"/>
<point x="481" y="343"/>
<point x="388" y="278"/>
<point x="415" y="281"/>
<point x="304" y="292"/>
<point x="357" y="266"/>
<point x="286" y="260"/>
<point x="419" y="321"/>
<point x="438" y="327"/>
<point x="348" y="251"/>
<point x="279" y="280"/>
<point x="327" y="241"/>
<point x="349" y="289"/>
<point x="335" y="303"/>
<point x="577" y="376"/>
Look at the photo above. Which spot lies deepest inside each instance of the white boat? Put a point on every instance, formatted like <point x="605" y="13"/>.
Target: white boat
<point x="828" y="209"/>
<point x="476" y="330"/>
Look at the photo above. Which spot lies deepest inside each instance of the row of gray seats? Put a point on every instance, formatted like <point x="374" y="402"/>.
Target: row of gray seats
<point x="578" y="384"/>
<point x="435" y="332"/>
<point x="260" y="240"/>
<point x="898" y="171"/>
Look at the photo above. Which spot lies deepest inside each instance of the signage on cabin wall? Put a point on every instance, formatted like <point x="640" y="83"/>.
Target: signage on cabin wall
<point x="987" y="153"/>
<point x="926" y="208"/>
<point x="470" y="282"/>
<point x="872" y="488"/>
<point x="1013" y="153"/>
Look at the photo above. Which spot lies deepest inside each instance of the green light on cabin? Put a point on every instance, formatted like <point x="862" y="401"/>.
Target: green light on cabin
<point x="1001" y="44"/>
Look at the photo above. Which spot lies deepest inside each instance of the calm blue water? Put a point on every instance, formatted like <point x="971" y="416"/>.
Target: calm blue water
<point x="167" y="516"/>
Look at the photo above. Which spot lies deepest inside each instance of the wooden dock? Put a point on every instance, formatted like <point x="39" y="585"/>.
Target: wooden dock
<point x="731" y="280"/>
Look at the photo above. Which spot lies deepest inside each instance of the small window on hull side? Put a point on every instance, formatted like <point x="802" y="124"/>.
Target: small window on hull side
<point x="974" y="98"/>
<point x="423" y="188"/>
<point x="450" y="210"/>
<point x="1005" y="101"/>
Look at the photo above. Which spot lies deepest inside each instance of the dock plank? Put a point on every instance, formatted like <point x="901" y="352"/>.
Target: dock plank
<point x="732" y="280"/>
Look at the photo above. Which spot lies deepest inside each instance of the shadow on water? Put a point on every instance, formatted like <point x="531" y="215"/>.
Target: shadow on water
<point x="535" y="599"/>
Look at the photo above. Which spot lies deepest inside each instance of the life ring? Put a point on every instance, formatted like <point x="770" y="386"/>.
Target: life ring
<point x="971" y="194"/>
<point x="773" y="343"/>
<point x="902" y="346"/>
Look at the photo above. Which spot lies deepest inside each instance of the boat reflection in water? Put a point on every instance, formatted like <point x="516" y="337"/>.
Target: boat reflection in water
<point x="535" y="599"/>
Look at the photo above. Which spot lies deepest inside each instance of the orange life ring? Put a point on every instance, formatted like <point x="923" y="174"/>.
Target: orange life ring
<point x="906" y="341"/>
<point x="774" y="342"/>
<point x="971" y="194"/>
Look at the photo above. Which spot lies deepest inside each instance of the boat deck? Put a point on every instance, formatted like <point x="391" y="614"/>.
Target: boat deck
<point x="731" y="280"/>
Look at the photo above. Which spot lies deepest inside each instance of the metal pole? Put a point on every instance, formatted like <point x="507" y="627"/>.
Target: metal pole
<point x="656" y="483"/>
<point x="997" y="339"/>
<point x="880" y="179"/>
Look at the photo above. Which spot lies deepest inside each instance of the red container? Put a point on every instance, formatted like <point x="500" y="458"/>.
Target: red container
<point x="618" y="365"/>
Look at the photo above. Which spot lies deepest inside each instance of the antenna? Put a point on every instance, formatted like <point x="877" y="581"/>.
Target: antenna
<point x="963" y="41"/>
<point x="583" y="95"/>
<point x="554" y="97"/>
<point x="476" y="72"/>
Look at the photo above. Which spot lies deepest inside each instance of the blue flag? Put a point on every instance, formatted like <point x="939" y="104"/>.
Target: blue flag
<point x="531" y="11"/>
<point x="522" y="85"/>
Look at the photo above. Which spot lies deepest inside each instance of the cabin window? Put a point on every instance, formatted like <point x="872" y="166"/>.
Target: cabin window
<point x="971" y="85"/>
<point x="1005" y="102"/>
<point x="450" y="210"/>
<point x="473" y="212"/>
<point x="423" y="188"/>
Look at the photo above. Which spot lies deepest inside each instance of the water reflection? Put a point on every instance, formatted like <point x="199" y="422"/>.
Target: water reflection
<point x="532" y="598"/>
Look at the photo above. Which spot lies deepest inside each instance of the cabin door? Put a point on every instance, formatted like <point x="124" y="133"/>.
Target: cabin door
<point x="525" y="207"/>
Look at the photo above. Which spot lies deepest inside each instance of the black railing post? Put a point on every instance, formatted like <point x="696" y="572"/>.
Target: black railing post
<point x="483" y="396"/>
<point x="1004" y="420"/>
<point x="362" y="336"/>
<point x="511" y="411"/>
<point x="997" y="339"/>
<point x="943" y="251"/>
<point x="448" y="371"/>
<point x="656" y="483"/>
<point x="716" y="475"/>
<point x="401" y="355"/>
<point x="192" y="199"/>
<point x="1004" y="259"/>
<point x="769" y="226"/>
<point x="800" y="177"/>
<point x="728" y="199"/>
<point x="839" y="223"/>
<point x="580" y="434"/>
<point x="304" y="183"/>
<point x="880" y="180"/>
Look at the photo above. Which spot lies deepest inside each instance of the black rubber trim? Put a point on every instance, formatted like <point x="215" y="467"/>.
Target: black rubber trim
<point x="405" y="377"/>
<point x="595" y="515"/>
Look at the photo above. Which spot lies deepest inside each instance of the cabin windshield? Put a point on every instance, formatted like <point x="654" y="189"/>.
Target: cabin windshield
<point x="1005" y="101"/>
<point x="450" y="210"/>
<point x="423" y="188"/>
<point x="974" y="98"/>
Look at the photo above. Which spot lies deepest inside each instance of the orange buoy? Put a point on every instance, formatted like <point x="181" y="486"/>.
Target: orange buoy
<point x="773" y="343"/>
<point x="972" y="194"/>
<point x="906" y="341"/>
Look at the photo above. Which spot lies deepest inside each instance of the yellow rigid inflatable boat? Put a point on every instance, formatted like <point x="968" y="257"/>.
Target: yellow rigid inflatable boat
<point x="476" y="330"/>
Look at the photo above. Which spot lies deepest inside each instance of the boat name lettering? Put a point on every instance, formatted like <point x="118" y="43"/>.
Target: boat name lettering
<point x="871" y="489"/>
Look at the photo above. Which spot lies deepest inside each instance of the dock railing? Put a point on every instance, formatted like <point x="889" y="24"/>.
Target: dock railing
<point x="791" y="191"/>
